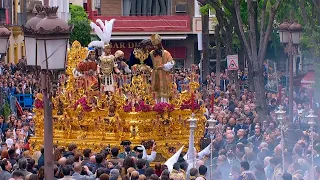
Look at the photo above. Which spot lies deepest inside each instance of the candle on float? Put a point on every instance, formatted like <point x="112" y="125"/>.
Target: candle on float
<point x="193" y="68"/>
<point x="120" y="91"/>
<point x="134" y="69"/>
<point x="182" y="87"/>
<point x="192" y="102"/>
<point x="192" y="77"/>
<point x="154" y="95"/>
<point x="150" y="90"/>
<point x="197" y="78"/>
<point x="212" y="103"/>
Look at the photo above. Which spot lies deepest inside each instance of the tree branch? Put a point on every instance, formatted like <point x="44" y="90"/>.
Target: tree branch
<point x="262" y="22"/>
<point x="263" y="48"/>
<point x="252" y="29"/>
<point x="240" y="24"/>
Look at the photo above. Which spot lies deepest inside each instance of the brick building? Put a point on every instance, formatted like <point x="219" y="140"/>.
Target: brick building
<point x="177" y="21"/>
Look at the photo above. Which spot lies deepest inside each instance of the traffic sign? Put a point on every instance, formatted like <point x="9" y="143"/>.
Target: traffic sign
<point x="232" y="62"/>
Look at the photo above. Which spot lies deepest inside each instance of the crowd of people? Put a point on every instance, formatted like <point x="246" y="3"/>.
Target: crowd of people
<point x="245" y="146"/>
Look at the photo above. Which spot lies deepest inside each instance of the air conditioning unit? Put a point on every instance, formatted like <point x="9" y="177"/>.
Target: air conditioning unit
<point x="181" y="8"/>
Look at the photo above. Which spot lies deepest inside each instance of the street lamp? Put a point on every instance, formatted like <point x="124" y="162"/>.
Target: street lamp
<point x="211" y="129"/>
<point x="290" y="34"/>
<point x="4" y="39"/>
<point x="281" y="118"/>
<point x="311" y="121"/>
<point x="49" y="37"/>
<point x="30" y="37"/>
<point x="193" y="125"/>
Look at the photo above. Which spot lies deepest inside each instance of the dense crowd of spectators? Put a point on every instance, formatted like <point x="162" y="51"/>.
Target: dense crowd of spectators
<point x="243" y="142"/>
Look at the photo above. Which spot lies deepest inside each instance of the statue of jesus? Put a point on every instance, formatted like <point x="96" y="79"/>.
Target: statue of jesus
<point x="162" y="65"/>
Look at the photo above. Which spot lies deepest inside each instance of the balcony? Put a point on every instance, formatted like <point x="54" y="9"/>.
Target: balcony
<point x="143" y="24"/>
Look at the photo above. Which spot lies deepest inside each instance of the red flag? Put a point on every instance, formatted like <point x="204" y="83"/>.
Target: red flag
<point x="19" y="108"/>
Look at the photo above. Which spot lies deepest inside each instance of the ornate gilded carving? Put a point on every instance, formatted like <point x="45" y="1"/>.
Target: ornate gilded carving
<point x="94" y="119"/>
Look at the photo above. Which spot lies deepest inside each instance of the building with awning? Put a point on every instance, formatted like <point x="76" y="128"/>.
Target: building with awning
<point x="308" y="80"/>
<point x="177" y="21"/>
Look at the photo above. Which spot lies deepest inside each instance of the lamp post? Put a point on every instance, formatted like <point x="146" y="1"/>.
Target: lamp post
<point x="211" y="129"/>
<point x="290" y="33"/>
<point x="312" y="123"/>
<point x="48" y="38"/>
<point x="193" y="126"/>
<point x="281" y="117"/>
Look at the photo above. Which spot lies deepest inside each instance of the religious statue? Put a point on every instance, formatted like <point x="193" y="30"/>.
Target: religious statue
<point x="107" y="66"/>
<point x="141" y="55"/>
<point x="122" y="65"/>
<point x="162" y="65"/>
<point x="88" y="69"/>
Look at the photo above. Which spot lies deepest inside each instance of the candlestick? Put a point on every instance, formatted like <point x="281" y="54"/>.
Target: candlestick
<point x="134" y="69"/>
<point x="192" y="101"/>
<point x="193" y="68"/>
<point x="212" y="103"/>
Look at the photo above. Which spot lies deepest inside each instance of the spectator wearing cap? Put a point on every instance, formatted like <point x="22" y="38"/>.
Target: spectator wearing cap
<point x="141" y="153"/>
<point x="127" y="150"/>
<point x="240" y="125"/>
<point x="6" y="169"/>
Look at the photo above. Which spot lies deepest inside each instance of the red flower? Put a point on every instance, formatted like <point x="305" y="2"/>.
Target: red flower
<point x="38" y="104"/>
<point x="83" y="102"/>
<point x="163" y="107"/>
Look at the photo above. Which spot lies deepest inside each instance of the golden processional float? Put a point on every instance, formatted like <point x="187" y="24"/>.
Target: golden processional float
<point x="92" y="119"/>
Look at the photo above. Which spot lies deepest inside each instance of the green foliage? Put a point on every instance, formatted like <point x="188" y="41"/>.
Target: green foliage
<point x="204" y="10"/>
<point x="81" y="25"/>
<point x="77" y="12"/>
<point x="6" y="110"/>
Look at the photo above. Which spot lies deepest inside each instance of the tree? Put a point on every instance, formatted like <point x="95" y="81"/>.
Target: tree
<point x="254" y="42"/>
<point x="81" y="25"/>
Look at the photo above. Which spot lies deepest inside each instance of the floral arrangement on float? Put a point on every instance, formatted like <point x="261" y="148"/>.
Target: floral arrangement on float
<point x="140" y="106"/>
<point x="83" y="103"/>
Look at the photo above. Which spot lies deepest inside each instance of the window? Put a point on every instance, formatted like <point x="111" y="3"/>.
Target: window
<point x="146" y="7"/>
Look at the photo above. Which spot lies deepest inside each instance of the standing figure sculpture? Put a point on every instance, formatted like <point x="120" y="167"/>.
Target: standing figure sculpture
<point x="88" y="70"/>
<point x="107" y="66"/>
<point x="162" y="65"/>
<point x="141" y="55"/>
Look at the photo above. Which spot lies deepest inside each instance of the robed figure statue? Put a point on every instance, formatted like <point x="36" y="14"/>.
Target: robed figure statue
<point x="162" y="65"/>
<point x="141" y="55"/>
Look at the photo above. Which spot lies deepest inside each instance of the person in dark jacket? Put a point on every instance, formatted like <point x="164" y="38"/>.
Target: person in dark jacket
<point x="41" y="159"/>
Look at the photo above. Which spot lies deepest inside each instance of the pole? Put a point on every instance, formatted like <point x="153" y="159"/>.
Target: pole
<point x="282" y="147"/>
<point x="46" y="2"/>
<point x="290" y="53"/>
<point x="211" y="155"/>
<point x="312" y="154"/>
<point x="48" y="127"/>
